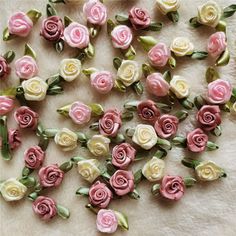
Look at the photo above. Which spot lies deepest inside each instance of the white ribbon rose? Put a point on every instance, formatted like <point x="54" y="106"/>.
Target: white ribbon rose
<point x="35" y="89"/>
<point x="145" y="136"/>
<point x="180" y="87"/>
<point x="98" y="145"/>
<point x="181" y="46"/>
<point x="166" y="6"/>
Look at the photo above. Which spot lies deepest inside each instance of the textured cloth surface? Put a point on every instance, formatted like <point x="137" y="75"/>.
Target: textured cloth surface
<point x="208" y="209"/>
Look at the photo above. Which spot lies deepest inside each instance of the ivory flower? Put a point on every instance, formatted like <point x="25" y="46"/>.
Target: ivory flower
<point x="181" y="46"/>
<point x="179" y="86"/>
<point x="166" y="6"/>
<point x="98" y="145"/>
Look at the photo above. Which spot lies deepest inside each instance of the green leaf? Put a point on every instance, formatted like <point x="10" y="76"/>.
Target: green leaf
<point x="82" y="191"/>
<point x="94" y="30"/>
<point x="211" y="74"/>
<point x="43" y="142"/>
<point x="131" y="105"/>
<point x="67" y="20"/>
<point x="9" y="56"/>
<point x="199" y="55"/>
<point x="5" y="148"/>
<point x="221" y="26"/>
<point x="29" y="51"/>
<point x="6" y="35"/>
<point x="39" y="129"/>
<point x="89" y="71"/>
<point x="199" y="101"/>
<point x="9" y="92"/>
<point x="28" y="181"/>
<point x="130" y="132"/>
<point x="172" y="62"/>
<point x="147" y="69"/>
<point x="164" y="107"/>
<point x="173" y="16"/>
<point x="234" y="92"/>
<point x="54" y="90"/>
<point x="122" y="220"/>
<point x="127" y="116"/>
<point x="32" y="196"/>
<point x="134" y="195"/>
<point x="164" y="144"/>
<point x="90" y="51"/>
<point x="120" y="138"/>
<point x="186" y="103"/>
<point x="59" y="45"/>
<point x="34" y="15"/>
<point x="138" y="88"/>
<point x="20" y="96"/>
<point x="181" y="115"/>
<point x="63" y="212"/>
<point x="189" y="181"/>
<point x="81" y="56"/>
<point x="94" y="126"/>
<point x="129" y="53"/>
<point x="50" y="132"/>
<point x="117" y="61"/>
<point x="190" y="163"/>
<point x="57" y="1"/>
<point x="77" y="159"/>
<point x="26" y="171"/>
<point x="154" y="26"/>
<point x="211" y="146"/>
<point x="120" y="86"/>
<point x="54" y="80"/>
<point x="122" y="19"/>
<point x="97" y="109"/>
<point x="194" y="22"/>
<point x="155" y="189"/>
<point x="224" y="58"/>
<point x="179" y="141"/>
<point x="147" y="42"/>
<point x="110" y="26"/>
<point x="225" y="107"/>
<point x="66" y="166"/>
<point x="217" y="131"/>
<point x="51" y="11"/>
<point x="91" y="208"/>
<point x="82" y="137"/>
<point x="229" y="11"/>
<point x="167" y="76"/>
<point x="138" y="176"/>
<point x="64" y="110"/>
<point x="161" y="153"/>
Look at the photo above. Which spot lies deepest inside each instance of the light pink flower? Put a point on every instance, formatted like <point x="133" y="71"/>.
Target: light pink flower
<point x="159" y="55"/>
<point x="107" y="221"/>
<point x="76" y="35"/>
<point x="26" y="67"/>
<point x="45" y="207"/>
<point x="166" y="126"/>
<point x="122" y="182"/>
<point x="80" y="113"/>
<point x="139" y="18"/>
<point x="14" y="138"/>
<point x="34" y="157"/>
<point x="197" y="140"/>
<point x="219" y="91"/>
<point x="102" y="81"/>
<point x="156" y="85"/>
<point x="20" y="24"/>
<point x="121" y="36"/>
<point x="6" y="105"/>
<point x="216" y="44"/>
<point x="4" y="68"/>
<point x="172" y="187"/>
<point x="95" y="12"/>
<point x="100" y="195"/>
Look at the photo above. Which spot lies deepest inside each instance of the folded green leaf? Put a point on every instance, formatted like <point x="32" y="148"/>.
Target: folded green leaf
<point x="131" y="106"/>
<point x="229" y="11"/>
<point x="167" y="76"/>
<point x="161" y="153"/>
<point x="77" y="159"/>
<point x="110" y="169"/>
<point x="179" y="141"/>
<point x="6" y="35"/>
<point x="26" y="171"/>
<point x="138" y="176"/>
<point x="223" y="58"/>
<point x="120" y="138"/>
<point x="9" y="92"/>
<point x="94" y="126"/>
<point x="181" y="115"/>
<point x="120" y="86"/>
<point x="122" y="19"/>
<point x="28" y="181"/>
<point x="117" y="62"/>
<point x="212" y="146"/>
<point x="130" y="132"/>
<point x="190" y="163"/>
<point x="59" y="45"/>
<point x="134" y="195"/>
<point x="43" y="142"/>
<point x="211" y="74"/>
<point x="82" y="138"/>
<point x="154" y="26"/>
<point x="127" y="116"/>
<point x="147" y="69"/>
<point x="67" y="20"/>
<point x="173" y="16"/>
<point x="172" y="62"/>
<point x="90" y="51"/>
<point x="54" y="90"/>
<point x="29" y="51"/>
<point x="138" y="88"/>
<point x="186" y="103"/>
<point x="217" y="131"/>
<point x="50" y="132"/>
<point x="32" y="196"/>
<point x="51" y="11"/>
<point x="66" y="166"/>
<point x="82" y="191"/>
<point x="129" y="53"/>
<point x="199" y="101"/>
<point x="5" y="148"/>
<point x="199" y="55"/>
<point x="164" y="144"/>
<point x="97" y="109"/>
<point x="189" y="181"/>
<point x="164" y="107"/>
<point x="122" y="220"/>
<point x="155" y="189"/>
<point x="221" y="26"/>
<point x="110" y="26"/>
<point x="94" y="30"/>
<point x="57" y="1"/>
<point x="9" y="56"/>
<point x="63" y="212"/>
<point x="34" y="15"/>
<point x="147" y="42"/>
<point x="194" y="22"/>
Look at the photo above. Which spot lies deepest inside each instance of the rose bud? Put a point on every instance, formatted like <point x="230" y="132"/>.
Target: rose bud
<point x="148" y="111"/>
<point x="209" y="117"/>
<point x="166" y="126"/>
<point x="110" y="123"/>
<point x="100" y="195"/>
<point x="122" y="182"/>
<point x="4" y="68"/>
<point x="122" y="155"/>
<point x="6" y="105"/>
<point x="14" y="138"/>
<point x="34" y="157"/>
<point x="197" y="140"/>
<point x="139" y="18"/>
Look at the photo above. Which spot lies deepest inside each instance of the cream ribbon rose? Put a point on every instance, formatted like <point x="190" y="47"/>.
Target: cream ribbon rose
<point x="181" y="46"/>
<point x="35" y="89"/>
<point x="154" y="169"/>
<point x="98" y="145"/>
<point x="67" y="139"/>
<point x="70" y="69"/>
<point x="209" y="14"/>
<point x="128" y="72"/>
<point x="179" y="86"/>
<point x="208" y="171"/>
<point x="145" y="136"/>
<point x="12" y="190"/>
<point x="166" y="6"/>
<point x="88" y="169"/>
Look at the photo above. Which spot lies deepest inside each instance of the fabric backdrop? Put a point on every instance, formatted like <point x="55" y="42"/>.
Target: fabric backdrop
<point x="207" y="209"/>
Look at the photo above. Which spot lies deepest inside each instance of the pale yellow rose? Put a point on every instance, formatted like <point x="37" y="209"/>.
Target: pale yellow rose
<point x="208" y="171"/>
<point x="89" y="169"/>
<point x="12" y="190"/>
<point x="128" y="72"/>
<point x="35" y="89"/>
<point x="70" y="69"/>
<point x="66" y="139"/>
<point x="209" y="13"/>
<point x="98" y="145"/>
<point x="166" y="6"/>
<point x="145" y="136"/>
<point x="181" y="46"/>
<point x="154" y="169"/>
<point x="179" y="86"/>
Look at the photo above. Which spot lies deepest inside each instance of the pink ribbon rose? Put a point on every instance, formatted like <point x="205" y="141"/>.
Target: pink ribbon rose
<point x="52" y="28"/>
<point x="45" y="207"/>
<point x="107" y="221"/>
<point x="102" y="81"/>
<point x="159" y="55"/>
<point x="156" y="85"/>
<point x="76" y="35"/>
<point x="6" y="105"/>
<point x="34" y="157"/>
<point x="172" y="187"/>
<point x="4" y="68"/>
<point x="139" y="18"/>
<point x="51" y="176"/>
<point x="95" y="12"/>
<point x="122" y="155"/>
<point x="209" y="117"/>
<point x="216" y="44"/>
<point x="148" y="111"/>
<point x="166" y="126"/>
<point x="100" y="195"/>
<point x="26" y="67"/>
<point x="110" y="123"/>
<point x="80" y="113"/>
<point x="197" y="140"/>
<point x="121" y="36"/>
<point x="219" y="91"/>
<point x="20" y="24"/>
<point x="14" y="138"/>
<point x="122" y="182"/>
<point x="26" y="118"/>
